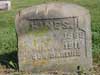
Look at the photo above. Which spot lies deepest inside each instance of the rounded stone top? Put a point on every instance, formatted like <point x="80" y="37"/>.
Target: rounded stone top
<point x="54" y="10"/>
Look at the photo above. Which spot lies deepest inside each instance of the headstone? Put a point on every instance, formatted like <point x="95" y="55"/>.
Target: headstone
<point x="5" y="5"/>
<point x="54" y="38"/>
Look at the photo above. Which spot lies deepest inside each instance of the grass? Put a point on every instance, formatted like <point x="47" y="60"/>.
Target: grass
<point x="8" y="40"/>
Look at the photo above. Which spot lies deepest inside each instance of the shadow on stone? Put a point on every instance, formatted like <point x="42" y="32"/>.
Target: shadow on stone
<point x="10" y="60"/>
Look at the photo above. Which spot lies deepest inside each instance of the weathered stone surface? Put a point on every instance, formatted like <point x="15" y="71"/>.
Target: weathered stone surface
<point x="5" y="5"/>
<point x="54" y="37"/>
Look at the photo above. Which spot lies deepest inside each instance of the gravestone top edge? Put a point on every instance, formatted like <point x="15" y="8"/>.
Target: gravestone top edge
<point x="46" y="5"/>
